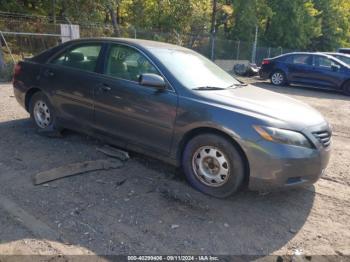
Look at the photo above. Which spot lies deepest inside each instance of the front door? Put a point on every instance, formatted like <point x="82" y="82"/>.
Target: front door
<point x="143" y="116"/>
<point x="327" y="72"/>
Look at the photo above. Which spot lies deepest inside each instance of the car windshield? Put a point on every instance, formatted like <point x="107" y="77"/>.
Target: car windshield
<point x="193" y="70"/>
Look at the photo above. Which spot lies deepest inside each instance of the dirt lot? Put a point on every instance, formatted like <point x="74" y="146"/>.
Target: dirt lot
<point x="148" y="208"/>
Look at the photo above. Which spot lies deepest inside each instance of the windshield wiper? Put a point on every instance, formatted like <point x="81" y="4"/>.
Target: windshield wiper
<point x="208" y="88"/>
<point x="237" y="85"/>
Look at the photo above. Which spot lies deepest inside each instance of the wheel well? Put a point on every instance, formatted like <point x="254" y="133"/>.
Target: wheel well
<point x="208" y="130"/>
<point x="276" y="70"/>
<point x="344" y="84"/>
<point x="29" y="96"/>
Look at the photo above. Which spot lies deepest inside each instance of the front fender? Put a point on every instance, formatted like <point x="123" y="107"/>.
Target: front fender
<point x="211" y="119"/>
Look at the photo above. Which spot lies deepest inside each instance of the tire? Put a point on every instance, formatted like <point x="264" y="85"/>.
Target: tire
<point x="346" y="88"/>
<point x="42" y="114"/>
<point x="278" y="78"/>
<point x="201" y="159"/>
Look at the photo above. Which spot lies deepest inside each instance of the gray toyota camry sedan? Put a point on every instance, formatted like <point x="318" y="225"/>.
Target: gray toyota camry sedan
<point x="173" y="104"/>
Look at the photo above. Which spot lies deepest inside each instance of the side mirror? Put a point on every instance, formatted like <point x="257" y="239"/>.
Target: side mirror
<point x="152" y="80"/>
<point x="335" y="67"/>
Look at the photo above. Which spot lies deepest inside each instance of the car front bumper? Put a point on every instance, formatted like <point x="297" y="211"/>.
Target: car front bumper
<point x="277" y="166"/>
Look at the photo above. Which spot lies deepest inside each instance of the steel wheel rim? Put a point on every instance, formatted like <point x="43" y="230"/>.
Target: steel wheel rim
<point x="42" y="114"/>
<point x="211" y="166"/>
<point x="277" y="78"/>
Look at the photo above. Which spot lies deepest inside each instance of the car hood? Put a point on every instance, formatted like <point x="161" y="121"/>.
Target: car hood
<point x="267" y="103"/>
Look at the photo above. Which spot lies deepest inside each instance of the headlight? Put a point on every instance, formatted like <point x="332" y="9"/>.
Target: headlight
<point x="283" y="136"/>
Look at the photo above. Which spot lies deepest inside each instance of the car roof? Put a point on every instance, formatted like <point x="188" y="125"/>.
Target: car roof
<point x="148" y="44"/>
<point x="338" y="54"/>
<point x="328" y="55"/>
<point x="305" y="53"/>
<point x="325" y="54"/>
<point x="298" y="53"/>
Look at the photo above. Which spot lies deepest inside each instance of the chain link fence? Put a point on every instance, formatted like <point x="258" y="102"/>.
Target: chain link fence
<point x="25" y="37"/>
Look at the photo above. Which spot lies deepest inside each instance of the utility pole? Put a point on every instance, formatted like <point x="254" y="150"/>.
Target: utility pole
<point x="255" y="44"/>
<point x="213" y="31"/>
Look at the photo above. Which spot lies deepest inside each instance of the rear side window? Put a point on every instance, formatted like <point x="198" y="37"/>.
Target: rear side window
<point x="127" y="63"/>
<point x="283" y="58"/>
<point x="301" y="59"/>
<point x="83" y="57"/>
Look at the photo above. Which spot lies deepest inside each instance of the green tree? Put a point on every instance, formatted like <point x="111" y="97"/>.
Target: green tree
<point x="293" y="24"/>
<point x="247" y="14"/>
<point x="335" y="30"/>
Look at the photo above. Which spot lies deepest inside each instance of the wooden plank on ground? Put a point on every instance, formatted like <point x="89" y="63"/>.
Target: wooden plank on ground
<point x="76" y="169"/>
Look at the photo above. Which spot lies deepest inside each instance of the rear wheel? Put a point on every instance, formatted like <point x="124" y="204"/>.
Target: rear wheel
<point x="42" y="113"/>
<point x="278" y="78"/>
<point x="213" y="165"/>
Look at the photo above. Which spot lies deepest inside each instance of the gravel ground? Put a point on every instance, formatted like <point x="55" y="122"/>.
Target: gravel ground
<point x="147" y="207"/>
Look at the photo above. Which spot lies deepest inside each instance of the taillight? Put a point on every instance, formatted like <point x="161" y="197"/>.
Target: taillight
<point x="17" y="70"/>
<point x="266" y="62"/>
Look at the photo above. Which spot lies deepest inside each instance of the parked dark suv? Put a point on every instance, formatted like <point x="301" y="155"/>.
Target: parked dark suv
<point x="171" y="103"/>
<point x="312" y="69"/>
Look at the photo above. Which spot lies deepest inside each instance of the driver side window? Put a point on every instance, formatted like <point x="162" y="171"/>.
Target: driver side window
<point x="324" y="62"/>
<point x="127" y="63"/>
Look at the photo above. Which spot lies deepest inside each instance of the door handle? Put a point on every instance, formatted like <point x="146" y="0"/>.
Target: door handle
<point x="104" y="87"/>
<point x="49" y="73"/>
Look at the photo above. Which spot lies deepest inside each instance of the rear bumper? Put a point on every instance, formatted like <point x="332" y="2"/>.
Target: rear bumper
<point x="19" y="91"/>
<point x="264" y="74"/>
<point x="277" y="166"/>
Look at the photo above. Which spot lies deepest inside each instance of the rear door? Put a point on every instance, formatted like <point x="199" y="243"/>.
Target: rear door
<point x="142" y="116"/>
<point x="299" y="68"/>
<point x="70" y="78"/>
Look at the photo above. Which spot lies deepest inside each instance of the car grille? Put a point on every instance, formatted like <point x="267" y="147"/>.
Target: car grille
<point x="324" y="137"/>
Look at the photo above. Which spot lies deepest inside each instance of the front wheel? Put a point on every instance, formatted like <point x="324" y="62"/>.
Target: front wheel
<point x="278" y="78"/>
<point x="213" y="165"/>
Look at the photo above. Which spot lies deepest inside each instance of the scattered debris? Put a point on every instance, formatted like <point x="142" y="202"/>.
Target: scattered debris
<point x="293" y="231"/>
<point x="101" y="181"/>
<point x="75" y="169"/>
<point x="179" y="196"/>
<point x="88" y="226"/>
<point x="47" y="185"/>
<point x="264" y="193"/>
<point x="121" y="182"/>
<point x="114" y="152"/>
<point x="174" y="226"/>
<point x="339" y="253"/>
<point x="297" y="252"/>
